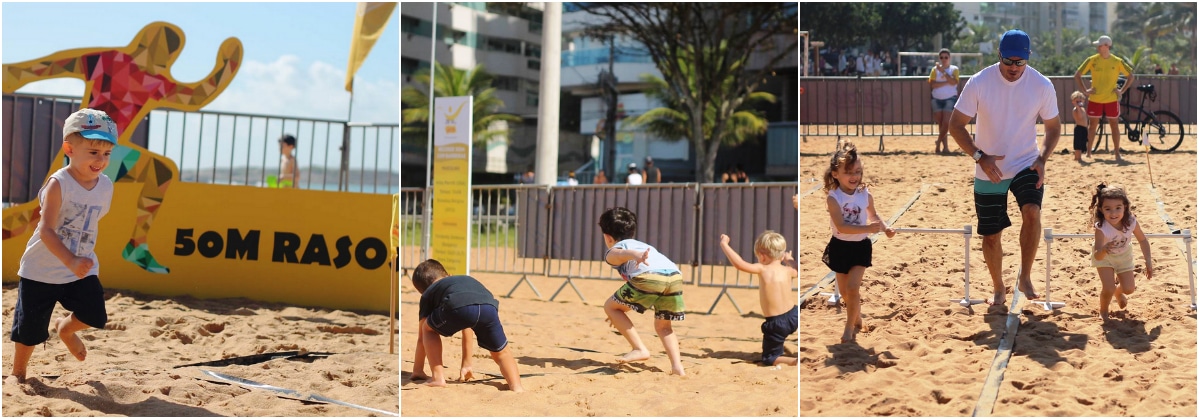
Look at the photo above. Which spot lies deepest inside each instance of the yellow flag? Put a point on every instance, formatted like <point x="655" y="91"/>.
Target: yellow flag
<point x="395" y="228"/>
<point x="368" y="26"/>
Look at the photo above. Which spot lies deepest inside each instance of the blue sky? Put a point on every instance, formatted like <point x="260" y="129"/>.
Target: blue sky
<point x="294" y="62"/>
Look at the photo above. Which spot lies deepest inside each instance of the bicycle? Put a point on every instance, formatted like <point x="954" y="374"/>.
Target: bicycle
<point x="1163" y="129"/>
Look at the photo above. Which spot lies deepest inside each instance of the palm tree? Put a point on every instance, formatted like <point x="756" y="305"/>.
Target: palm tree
<point x="448" y="82"/>
<point x="670" y="123"/>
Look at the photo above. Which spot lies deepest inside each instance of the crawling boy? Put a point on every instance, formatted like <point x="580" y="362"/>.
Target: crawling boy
<point x="450" y="304"/>
<point x="774" y="292"/>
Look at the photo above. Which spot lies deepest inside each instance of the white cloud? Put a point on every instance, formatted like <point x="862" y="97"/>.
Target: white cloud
<point x="282" y="88"/>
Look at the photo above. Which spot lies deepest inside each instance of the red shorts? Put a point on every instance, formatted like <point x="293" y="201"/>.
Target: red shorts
<point x="1097" y="110"/>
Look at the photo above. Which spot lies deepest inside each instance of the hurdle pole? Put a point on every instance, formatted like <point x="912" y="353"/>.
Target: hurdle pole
<point x="966" y="300"/>
<point x="1047" y="304"/>
<point x="1185" y="235"/>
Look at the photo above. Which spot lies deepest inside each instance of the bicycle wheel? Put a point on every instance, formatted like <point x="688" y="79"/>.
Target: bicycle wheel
<point x="1164" y="131"/>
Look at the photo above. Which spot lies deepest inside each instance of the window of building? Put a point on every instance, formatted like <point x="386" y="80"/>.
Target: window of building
<point x="508" y="83"/>
<point x="534" y="64"/>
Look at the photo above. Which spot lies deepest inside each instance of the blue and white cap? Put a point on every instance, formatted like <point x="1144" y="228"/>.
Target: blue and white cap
<point x="91" y="124"/>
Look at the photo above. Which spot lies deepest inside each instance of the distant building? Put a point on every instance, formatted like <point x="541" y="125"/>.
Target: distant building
<point x="506" y="39"/>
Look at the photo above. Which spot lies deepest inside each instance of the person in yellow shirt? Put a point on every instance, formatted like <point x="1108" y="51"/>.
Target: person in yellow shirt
<point x="1104" y="95"/>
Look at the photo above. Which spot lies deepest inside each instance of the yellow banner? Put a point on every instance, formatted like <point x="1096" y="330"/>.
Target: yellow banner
<point x="449" y="240"/>
<point x="301" y="247"/>
<point x="369" y="23"/>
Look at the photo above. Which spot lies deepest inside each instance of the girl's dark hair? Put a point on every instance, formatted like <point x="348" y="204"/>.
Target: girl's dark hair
<point x="944" y="50"/>
<point x="1109" y="192"/>
<point x="288" y="139"/>
<point x="619" y="223"/>
<point x="844" y="157"/>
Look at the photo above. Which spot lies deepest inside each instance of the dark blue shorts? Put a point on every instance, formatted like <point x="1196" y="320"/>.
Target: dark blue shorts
<point x="483" y="319"/>
<point x="991" y="199"/>
<point x="1080" y="140"/>
<point x="35" y="307"/>
<point x="776" y="330"/>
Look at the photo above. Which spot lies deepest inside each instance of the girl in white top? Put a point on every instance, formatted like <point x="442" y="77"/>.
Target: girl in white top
<point x="1112" y="254"/>
<point x="943" y="80"/>
<point x="852" y="218"/>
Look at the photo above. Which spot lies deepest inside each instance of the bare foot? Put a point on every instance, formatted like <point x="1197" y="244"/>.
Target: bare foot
<point x="678" y="371"/>
<point x="996" y="300"/>
<point x="634" y="356"/>
<point x="848" y="335"/>
<point x="465" y="375"/>
<point x="1121" y="300"/>
<point x="74" y="344"/>
<point x="439" y="384"/>
<point x="418" y="376"/>
<point x="518" y="389"/>
<point x="1026" y="288"/>
<point x="15" y="377"/>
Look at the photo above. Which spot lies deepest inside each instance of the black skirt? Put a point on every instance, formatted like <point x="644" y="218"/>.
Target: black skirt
<point x="841" y="255"/>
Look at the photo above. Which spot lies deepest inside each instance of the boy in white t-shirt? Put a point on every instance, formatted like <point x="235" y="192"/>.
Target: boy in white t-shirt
<point x="60" y="264"/>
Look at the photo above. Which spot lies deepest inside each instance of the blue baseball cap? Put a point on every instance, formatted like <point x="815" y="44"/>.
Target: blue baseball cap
<point x="92" y="124"/>
<point x="1015" y="43"/>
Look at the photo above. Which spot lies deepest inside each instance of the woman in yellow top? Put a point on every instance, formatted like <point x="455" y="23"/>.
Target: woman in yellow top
<point x="1104" y="94"/>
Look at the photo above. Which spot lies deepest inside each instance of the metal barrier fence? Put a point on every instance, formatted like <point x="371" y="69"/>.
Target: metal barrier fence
<point x="552" y="230"/>
<point x="210" y="147"/>
<point x="900" y="106"/>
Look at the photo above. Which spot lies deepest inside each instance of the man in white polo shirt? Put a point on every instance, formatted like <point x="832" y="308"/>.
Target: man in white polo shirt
<point x="1006" y="100"/>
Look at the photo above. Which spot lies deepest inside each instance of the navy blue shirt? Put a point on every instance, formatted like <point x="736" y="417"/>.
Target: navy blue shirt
<point x="455" y="292"/>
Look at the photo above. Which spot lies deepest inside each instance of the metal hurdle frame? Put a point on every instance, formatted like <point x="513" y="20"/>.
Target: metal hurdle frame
<point x="1049" y="236"/>
<point x="966" y="300"/>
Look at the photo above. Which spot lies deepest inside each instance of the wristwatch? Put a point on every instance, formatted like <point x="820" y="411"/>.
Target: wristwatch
<point x="978" y="155"/>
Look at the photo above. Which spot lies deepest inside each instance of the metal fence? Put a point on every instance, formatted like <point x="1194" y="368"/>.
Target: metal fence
<point x="211" y="147"/>
<point x="552" y="230"/>
<point x="900" y="106"/>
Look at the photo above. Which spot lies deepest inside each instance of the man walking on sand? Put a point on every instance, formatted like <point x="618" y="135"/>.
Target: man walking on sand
<point x="1006" y="99"/>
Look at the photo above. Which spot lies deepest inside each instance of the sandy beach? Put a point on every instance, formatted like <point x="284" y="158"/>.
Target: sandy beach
<point x="922" y="354"/>
<point x="131" y="370"/>
<point x="566" y="354"/>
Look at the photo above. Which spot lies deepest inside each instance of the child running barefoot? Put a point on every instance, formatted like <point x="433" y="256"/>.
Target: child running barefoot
<point x="774" y="292"/>
<point x="852" y="218"/>
<point x="651" y="281"/>
<point x="1112" y="254"/>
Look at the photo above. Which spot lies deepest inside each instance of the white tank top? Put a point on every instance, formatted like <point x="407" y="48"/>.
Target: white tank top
<point x="1123" y="237"/>
<point x="854" y="212"/>
<point x="78" y="224"/>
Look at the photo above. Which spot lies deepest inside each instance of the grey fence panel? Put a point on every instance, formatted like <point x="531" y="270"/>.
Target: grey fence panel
<point x="533" y="220"/>
<point x="495" y="218"/>
<point x="742" y="211"/>
<point x="32" y="137"/>
<point x="666" y="221"/>
<point x="899" y="106"/>
<point x="412" y="224"/>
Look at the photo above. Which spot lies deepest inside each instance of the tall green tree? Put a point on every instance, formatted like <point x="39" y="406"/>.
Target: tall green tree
<point x="702" y="51"/>
<point x="449" y="81"/>
<point x="669" y="123"/>
<point x="912" y="26"/>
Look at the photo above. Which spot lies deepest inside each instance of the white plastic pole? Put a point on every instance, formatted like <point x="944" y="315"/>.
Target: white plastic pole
<point x="966" y="300"/>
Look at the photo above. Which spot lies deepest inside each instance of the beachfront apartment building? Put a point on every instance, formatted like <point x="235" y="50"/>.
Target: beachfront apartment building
<point x="506" y="39"/>
<point x="1037" y="17"/>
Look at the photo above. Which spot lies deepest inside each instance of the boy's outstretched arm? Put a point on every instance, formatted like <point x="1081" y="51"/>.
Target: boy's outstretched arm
<point x="418" y="371"/>
<point x="736" y="259"/>
<point x="468" y="349"/>
<point x="616" y="257"/>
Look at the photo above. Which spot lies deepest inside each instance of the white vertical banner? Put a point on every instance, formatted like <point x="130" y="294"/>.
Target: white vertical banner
<point x="450" y="234"/>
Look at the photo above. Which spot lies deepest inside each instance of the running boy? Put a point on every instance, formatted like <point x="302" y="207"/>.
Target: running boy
<point x="1079" y="111"/>
<point x="453" y="304"/>
<point x="1112" y="254"/>
<point x="60" y="264"/>
<point x="852" y="218"/>
<point x="289" y="176"/>
<point x="774" y="292"/>
<point x="651" y="281"/>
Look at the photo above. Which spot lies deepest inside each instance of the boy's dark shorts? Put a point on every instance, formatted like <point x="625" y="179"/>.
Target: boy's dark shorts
<point x="776" y="330"/>
<point x="483" y="319"/>
<point x="840" y="256"/>
<point x="1080" y="141"/>
<point x="991" y="199"/>
<point x="35" y="307"/>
